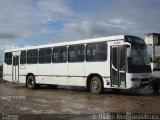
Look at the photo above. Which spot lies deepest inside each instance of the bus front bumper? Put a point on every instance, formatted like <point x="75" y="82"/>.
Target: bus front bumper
<point x="140" y="83"/>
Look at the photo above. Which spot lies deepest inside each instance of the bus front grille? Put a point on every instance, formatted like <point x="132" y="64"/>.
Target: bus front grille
<point x="144" y="81"/>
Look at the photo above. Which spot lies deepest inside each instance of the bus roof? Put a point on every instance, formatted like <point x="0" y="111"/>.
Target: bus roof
<point x="101" y="39"/>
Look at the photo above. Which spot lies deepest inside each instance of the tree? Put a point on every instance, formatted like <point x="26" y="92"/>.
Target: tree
<point x="156" y="59"/>
<point x="1" y="67"/>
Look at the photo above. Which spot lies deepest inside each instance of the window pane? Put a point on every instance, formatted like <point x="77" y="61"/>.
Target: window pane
<point x="101" y="52"/>
<point x="55" y="55"/>
<point x="59" y="55"/>
<point x="72" y="54"/>
<point x="8" y="58"/>
<point x="35" y="56"/>
<point x="80" y="52"/>
<point x="115" y="57"/>
<point x="122" y="55"/>
<point x="96" y="52"/>
<point x="41" y="55"/>
<point x="63" y="54"/>
<point x="91" y="52"/>
<point x="23" y="57"/>
<point x="15" y="60"/>
<point x="32" y="56"/>
<point x="29" y="57"/>
<point x="48" y="56"/>
<point x="76" y="53"/>
<point x="45" y="55"/>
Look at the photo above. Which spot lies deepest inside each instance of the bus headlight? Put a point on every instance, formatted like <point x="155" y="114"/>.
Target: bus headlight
<point x="135" y="79"/>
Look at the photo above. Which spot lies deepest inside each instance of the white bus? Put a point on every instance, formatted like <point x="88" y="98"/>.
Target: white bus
<point x="116" y="62"/>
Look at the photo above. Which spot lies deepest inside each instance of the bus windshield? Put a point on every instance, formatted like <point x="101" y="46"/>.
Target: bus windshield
<point x="139" y="59"/>
<point x="139" y="54"/>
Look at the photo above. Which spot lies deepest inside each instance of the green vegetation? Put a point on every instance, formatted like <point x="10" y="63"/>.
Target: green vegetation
<point x="156" y="59"/>
<point x="1" y="67"/>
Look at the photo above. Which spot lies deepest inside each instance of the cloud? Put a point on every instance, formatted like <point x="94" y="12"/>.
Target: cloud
<point x="83" y="27"/>
<point x="5" y="47"/>
<point x="35" y="22"/>
<point x="54" y="6"/>
<point x="24" y="19"/>
<point x="7" y="35"/>
<point x="16" y="19"/>
<point x="21" y="18"/>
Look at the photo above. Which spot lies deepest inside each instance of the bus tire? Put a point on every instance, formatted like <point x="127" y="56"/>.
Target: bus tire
<point x="31" y="83"/>
<point x="96" y="85"/>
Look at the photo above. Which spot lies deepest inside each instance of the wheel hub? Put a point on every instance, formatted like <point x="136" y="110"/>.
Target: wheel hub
<point x="31" y="82"/>
<point x="95" y="85"/>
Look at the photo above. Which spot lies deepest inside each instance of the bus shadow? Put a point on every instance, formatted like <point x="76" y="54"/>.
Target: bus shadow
<point x="137" y="92"/>
<point x="134" y="92"/>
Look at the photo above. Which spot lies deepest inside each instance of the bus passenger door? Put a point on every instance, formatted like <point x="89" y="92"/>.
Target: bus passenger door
<point x="15" y="68"/>
<point x="118" y="66"/>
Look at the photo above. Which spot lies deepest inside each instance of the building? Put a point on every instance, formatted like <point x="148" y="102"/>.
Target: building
<point x="153" y="39"/>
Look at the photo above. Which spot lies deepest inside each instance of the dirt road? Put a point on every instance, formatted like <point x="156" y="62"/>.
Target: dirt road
<point x="16" y="99"/>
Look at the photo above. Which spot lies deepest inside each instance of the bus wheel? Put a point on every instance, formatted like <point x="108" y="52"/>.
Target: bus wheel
<point x="31" y="83"/>
<point x="155" y="88"/>
<point x="96" y="85"/>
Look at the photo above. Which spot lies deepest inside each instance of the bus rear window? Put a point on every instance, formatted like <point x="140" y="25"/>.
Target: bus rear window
<point x="8" y="58"/>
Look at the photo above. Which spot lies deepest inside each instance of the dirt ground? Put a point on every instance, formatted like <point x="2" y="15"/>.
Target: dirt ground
<point x="73" y="102"/>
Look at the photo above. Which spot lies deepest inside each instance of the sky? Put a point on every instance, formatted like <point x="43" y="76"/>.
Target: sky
<point x="34" y="22"/>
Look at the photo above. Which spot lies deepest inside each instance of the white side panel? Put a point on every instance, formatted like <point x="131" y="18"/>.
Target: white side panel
<point x="44" y="73"/>
<point x="22" y="73"/>
<point x="5" y="69"/>
<point x="76" y="73"/>
<point x="8" y="78"/>
<point x="9" y="69"/>
<point x="32" y="68"/>
<point x="59" y="73"/>
<point x="101" y="68"/>
<point x="7" y="72"/>
<point x="22" y="69"/>
<point x="15" y="73"/>
<point x="22" y="79"/>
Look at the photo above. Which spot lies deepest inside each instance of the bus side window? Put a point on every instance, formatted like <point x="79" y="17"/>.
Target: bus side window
<point x="96" y="52"/>
<point x="76" y="53"/>
<point x="8" y="58"/>
<point x="91" y="52"/>
<point x="23" y="57"/>
<point x="101" y="51"/>
<point x="59" y="55"/>
<point x="63" y="54"/>
<point x="32" y="56"/>
<point x="55" y="55"/>
<point x="115" y="54"/>
<point x="45" y="55"/>
<point x="71" y="54"/>
<point x="122" y="52"/>
<point x="80" y="53"/>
